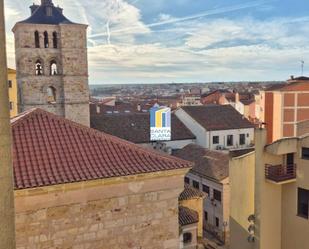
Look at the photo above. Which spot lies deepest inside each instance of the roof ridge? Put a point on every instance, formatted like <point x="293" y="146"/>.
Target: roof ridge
<point x="27" y="115"/>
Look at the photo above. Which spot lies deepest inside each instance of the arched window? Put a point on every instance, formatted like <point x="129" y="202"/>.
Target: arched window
<point x="37" y="39"/>
<point x="187" y="238"/>
<point x="53" y="68"/>
<point x="51" y="94"/>
<point x="46" y="44"/>
<point x="38" y="68"/>
<point x="55" y="40"/>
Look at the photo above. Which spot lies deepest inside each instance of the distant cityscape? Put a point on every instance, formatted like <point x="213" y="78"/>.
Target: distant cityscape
<point x="214" y="165"/>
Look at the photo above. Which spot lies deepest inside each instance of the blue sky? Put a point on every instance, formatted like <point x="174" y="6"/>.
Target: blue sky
<point x="152" y="41"/>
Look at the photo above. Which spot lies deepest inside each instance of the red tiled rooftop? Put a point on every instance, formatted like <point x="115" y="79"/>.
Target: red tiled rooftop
<point x="50" y="150"/>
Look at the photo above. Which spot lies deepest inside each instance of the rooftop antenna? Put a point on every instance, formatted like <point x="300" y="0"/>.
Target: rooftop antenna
<point x="302" y="67"/>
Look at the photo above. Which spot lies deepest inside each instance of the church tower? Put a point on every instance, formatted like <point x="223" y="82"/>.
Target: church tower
<point x="51" y="63"/>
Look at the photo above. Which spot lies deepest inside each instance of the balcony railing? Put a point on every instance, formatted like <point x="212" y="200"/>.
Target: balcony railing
<point x="280" y="173"/>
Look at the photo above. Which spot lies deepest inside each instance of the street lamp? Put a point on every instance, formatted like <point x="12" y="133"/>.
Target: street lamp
<point x="7" y="213"/>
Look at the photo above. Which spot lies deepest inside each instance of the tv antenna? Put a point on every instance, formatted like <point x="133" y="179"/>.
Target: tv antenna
<point x="302" y="67"/>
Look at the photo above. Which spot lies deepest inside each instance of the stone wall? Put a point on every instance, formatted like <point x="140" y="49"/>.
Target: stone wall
<point x="71" y="83"/>
<point x="133" y="212"/>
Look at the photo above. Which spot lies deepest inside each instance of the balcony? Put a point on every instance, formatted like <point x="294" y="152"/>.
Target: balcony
<point x="280" y="173"/>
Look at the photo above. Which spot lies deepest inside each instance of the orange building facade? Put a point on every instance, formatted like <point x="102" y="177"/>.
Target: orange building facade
<point x="285" y="106"/>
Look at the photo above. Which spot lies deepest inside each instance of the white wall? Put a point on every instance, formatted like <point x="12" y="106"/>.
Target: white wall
<point x="240" y="107"/>
<point x="249" y="133"/>
<point x="194" y="127"/>
<point x="214" y="208"/>
<point x="204" y="138"/>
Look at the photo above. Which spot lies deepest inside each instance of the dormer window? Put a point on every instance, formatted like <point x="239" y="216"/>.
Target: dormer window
<point x="53" y="68"/>
<point x="46" y="43"/>
<point x="37" y="39"/>
<point x="38" y="68"/>
<point x="55" y="40"/>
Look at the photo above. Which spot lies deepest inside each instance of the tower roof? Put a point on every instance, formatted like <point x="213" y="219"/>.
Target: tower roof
<point x="46" y="13"/>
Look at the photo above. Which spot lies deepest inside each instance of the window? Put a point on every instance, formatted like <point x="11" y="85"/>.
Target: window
<point x="38" y="68"/>
<point x="51" y="94"/>
<point x="217" y="222"/>
<point x="305" y="153"/>
<point x="11" y="105"/>
<point x="196" y="185"/>
<point x="187" y="180"/>
<point x="46" y="43"/>
<point x="187" y="238"/>
<point x="55" y="40"/>
<point x="229" y="141"/>
<point x="242" y="139"/>
<point x="37" y="39"/>
<point x="10" y="83"/>
<point x="206" y="215"/>
<point x="53" y="68"/>
<point x="303" y="203"/>
<point x="217" y="195"/>
<point x="206" y="189"/>
<point x="215" y="139"/>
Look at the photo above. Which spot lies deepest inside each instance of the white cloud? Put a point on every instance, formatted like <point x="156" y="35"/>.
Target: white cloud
<point x="218" y="49"/>
<point x="123" y="48"/>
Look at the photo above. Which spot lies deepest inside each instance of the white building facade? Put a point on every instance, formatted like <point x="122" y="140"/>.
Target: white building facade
<point x="216" y="205"/>
<point x="216" y="138"/>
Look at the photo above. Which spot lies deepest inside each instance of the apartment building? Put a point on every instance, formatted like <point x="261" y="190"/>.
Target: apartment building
<point x="270" y="195"/>
<point x="210" y="175"/>
<point x="191" y="99"/>
<point x="12" y="83"/>
<point x="285" y="106"/>
<point x="217" y="127"/>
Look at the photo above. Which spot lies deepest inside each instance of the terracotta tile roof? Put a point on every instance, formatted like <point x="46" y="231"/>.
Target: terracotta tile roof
<point x="190" y="193"/>
<point x="135" y="127"/>
<point x="207" y="163"/>
<point x="187" y="216"/>
<point x="49" y="150"/>
<point x="218" y="117"/>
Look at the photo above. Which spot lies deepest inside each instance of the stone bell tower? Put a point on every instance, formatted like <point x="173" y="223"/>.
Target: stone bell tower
<point x="51" y="63"/>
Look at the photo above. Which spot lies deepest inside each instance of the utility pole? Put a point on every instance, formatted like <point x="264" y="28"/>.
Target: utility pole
<point x="7" y="213"/>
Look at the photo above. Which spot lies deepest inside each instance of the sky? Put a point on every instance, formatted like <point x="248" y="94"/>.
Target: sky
<point x="160" y="41"/>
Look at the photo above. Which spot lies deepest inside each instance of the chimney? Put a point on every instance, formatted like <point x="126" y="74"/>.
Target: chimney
<point x="292" y="77"/>
<point x="236" y="97"/>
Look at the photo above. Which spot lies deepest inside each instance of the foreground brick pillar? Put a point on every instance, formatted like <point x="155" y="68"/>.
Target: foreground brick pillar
<point x="7" y="223"/>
